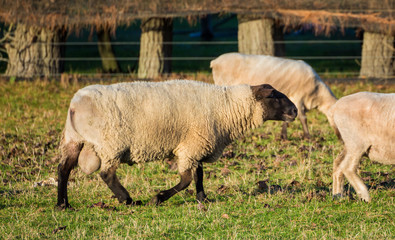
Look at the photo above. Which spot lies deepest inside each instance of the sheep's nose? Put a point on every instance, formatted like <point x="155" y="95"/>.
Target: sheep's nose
<point x="293" y="112"/>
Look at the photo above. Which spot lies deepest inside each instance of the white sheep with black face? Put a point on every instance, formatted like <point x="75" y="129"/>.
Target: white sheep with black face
<point x="294" y="78"/>
<point x="366" y="122"/>
<point x="138" y="122"/>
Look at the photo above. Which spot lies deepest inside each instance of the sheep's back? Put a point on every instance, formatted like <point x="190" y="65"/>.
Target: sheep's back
<point x="294" y="78"/>
<point x="151" y="119"/>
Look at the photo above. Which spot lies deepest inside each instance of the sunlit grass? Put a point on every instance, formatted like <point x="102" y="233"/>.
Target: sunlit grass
<point x="261" y="188"/>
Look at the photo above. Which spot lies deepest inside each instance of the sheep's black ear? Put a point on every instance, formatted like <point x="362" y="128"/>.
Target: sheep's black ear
<point x="262" y="91"/>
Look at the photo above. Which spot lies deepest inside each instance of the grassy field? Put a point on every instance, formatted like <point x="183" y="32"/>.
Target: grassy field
<point x="261" y="188"/>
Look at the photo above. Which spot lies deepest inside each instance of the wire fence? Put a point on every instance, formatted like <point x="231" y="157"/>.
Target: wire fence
<point x="202" y="42"/>
<point x="330" y="57"/>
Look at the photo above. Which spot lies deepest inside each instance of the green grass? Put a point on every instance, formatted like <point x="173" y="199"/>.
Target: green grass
<point x="261" y="188"/>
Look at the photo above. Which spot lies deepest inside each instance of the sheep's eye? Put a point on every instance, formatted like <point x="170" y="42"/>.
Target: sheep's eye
<point x="271" y="95"/>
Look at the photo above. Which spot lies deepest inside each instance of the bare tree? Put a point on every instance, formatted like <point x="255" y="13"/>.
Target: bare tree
<point x="109" y="62"/>
<point x="5" y="35"/>
<point x="206" y="28"/>
<point x="156" y="33"/>
<point x="377" y="55"/>
<point x="257" y="35"/>
<point x="34" y="51"/>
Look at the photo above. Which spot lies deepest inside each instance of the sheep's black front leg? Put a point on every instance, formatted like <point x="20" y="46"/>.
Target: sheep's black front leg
<point x="186" y="179"/>
<point x="198" y="176"/>
<point x="110" y="178"/>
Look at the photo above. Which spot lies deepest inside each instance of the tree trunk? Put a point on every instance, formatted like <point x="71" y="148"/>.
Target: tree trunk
<point x="257" y="36"/>
<point x="377" y="56"/>
<point x="153" y="50"/>
<point x="35" y="51"/>
<point x="109" y="62"/>
<point x="206" y="29"/>
<point x="278" y="36"/>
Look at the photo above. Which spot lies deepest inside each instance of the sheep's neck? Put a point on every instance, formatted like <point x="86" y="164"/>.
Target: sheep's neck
<point x="243" y="118"/>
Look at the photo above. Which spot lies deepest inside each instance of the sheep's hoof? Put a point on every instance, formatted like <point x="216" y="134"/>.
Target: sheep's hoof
<point x="63" y="206"/>
<point x="137" y="203"/>
<point x="158" y="199"/>
<point x="155" y="201"/>
<point x="283" y="137"/>
<point x="202" y="198"/>
<point x="206" y="200"/>
<point x="129" y="201"/>
<point x="337" y="197"/>
<point x="365" y="199"/>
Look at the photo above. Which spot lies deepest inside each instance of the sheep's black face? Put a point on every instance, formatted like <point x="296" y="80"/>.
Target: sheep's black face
<point x="276" y="105"/>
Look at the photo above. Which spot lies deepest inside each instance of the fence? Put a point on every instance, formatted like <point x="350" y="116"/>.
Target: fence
<point x="327" y="57"/>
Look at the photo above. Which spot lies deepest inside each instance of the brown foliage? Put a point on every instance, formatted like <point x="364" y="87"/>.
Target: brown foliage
<point x="76" y="14"/>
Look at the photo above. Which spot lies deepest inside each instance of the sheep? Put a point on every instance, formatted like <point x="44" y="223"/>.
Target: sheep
<point x="294" y="78"/>
<point x="189" y="121"/>
<point x="366" y="122"/>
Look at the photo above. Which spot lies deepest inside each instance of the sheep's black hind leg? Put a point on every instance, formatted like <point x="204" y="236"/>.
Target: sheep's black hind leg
<point x="69" y="160"/>
<point x="198" y="177"/>
<point x="110" y="178"/>
<point x="186" y="179"/>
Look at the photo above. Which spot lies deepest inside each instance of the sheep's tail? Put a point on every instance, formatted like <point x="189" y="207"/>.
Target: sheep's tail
<point x="70" y="125"/>
<point x="212" y="63"/>
<point x="69" y="122"/>
<point x="71" y="118"/>
<point x="330" y="116"/>
<point x="69" y="142"/>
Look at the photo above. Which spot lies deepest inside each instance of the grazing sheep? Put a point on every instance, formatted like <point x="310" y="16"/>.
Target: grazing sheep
<point x="139" y="122"/>
<point x="366" y="122"/>
<point x="296" y="79"/>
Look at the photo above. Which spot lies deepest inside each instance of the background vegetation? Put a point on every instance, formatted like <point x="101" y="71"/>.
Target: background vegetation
<point x="261" y="188"/>
<point x="85" y="58"/>
<point x="226" y="32"/>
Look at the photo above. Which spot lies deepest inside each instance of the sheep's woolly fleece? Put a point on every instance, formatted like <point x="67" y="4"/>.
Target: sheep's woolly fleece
<point x="366" y="122"/>
<point x="294" y="78"/>
<point x="142" y="121"/>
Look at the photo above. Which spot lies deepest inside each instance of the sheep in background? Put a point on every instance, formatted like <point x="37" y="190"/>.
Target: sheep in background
<point x="366" y="122"/>
<point x="139" y="122"/>
<point x="296" y="79"/>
